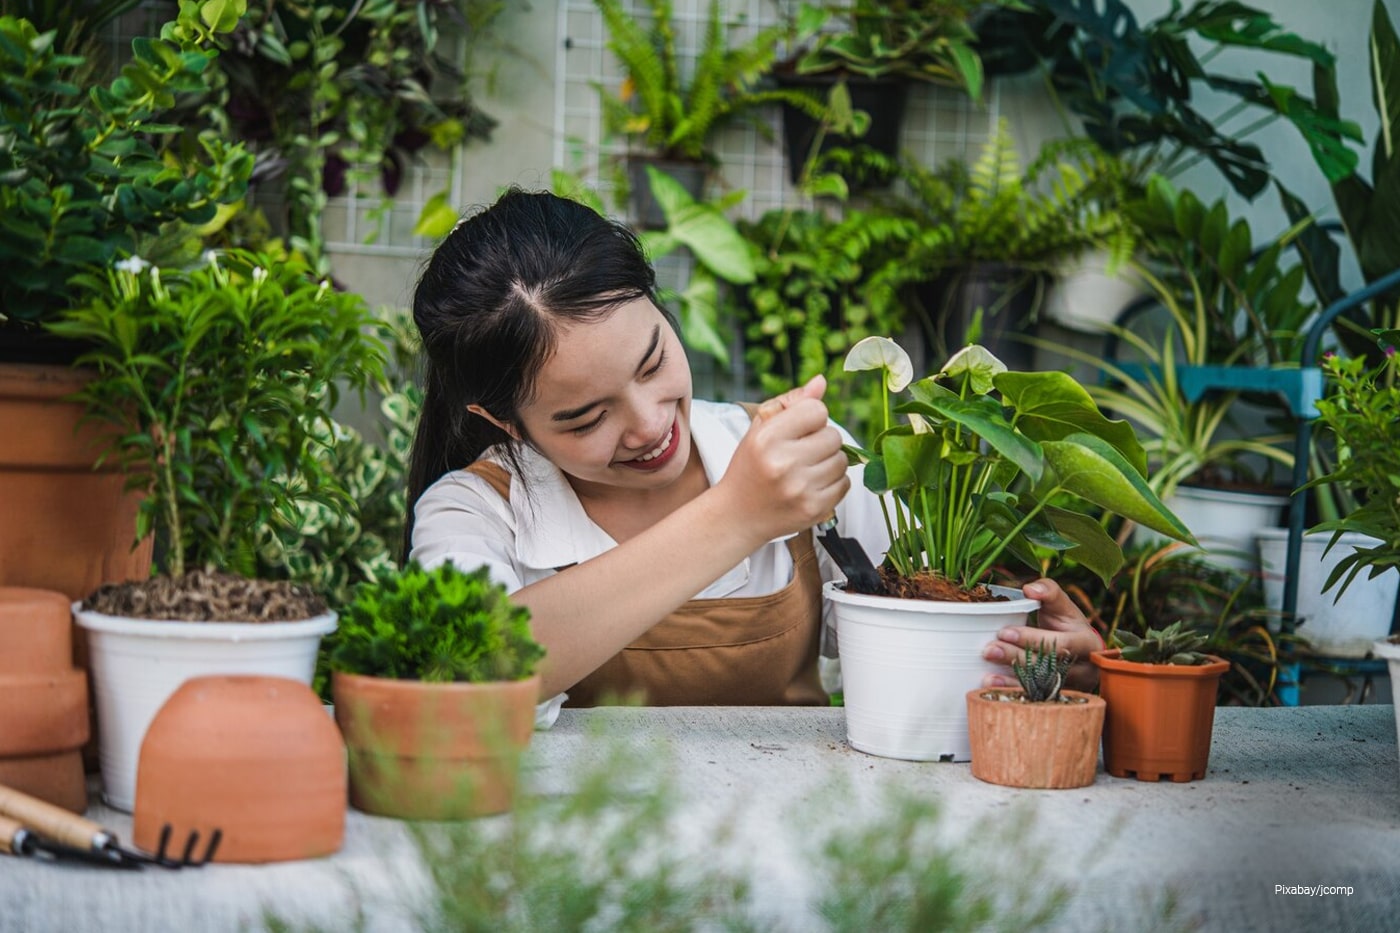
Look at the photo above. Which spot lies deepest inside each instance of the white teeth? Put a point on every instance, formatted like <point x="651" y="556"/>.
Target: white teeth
<point x="653" y="454"/>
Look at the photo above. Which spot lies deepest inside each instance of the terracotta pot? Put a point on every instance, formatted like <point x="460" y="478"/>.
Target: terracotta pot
<point x="1046" y="745"/>
<point x="256" y="757"/>
<point x="1160" y="716"/>
<point x="433" y="751"/>
<point x="68" y="527"/>
<point x="44" y="720"/>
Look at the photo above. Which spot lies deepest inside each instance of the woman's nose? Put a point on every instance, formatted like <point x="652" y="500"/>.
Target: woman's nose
<point x="646" y="426"/>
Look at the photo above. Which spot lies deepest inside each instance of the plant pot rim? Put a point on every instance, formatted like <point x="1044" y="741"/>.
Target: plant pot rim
<point x="978" y="694"/>
<point x="832" y="590"/>
<point x="1386" y="648"/>
<point x="1213" y="494"/>
<point x="1317" y="537"/>
<point x="203" y="631"/>
<point x="1110" y="659"/>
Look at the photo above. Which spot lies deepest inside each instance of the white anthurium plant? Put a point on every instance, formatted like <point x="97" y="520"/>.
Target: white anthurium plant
<point x="992" y="462"/>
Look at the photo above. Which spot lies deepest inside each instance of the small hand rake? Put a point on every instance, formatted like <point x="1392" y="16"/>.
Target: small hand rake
<point x="37" y="827"/>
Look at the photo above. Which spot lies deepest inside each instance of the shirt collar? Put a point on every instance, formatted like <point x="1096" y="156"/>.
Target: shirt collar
<point x="552" y="529"/>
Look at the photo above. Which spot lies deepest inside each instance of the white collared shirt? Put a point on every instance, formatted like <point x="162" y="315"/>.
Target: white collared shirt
<point x="521" y="541"/>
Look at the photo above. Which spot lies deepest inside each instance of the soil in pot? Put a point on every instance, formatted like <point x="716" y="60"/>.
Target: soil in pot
<point x="930" y="586"/>
<point x="208" y="596"/>
<point x="1050" y="745"/>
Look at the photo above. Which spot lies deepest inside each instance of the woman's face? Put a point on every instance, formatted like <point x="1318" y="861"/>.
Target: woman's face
<point x="612" y="405"/>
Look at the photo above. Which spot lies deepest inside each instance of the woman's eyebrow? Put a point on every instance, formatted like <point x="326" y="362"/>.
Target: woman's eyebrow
<point x="572" y="413"/>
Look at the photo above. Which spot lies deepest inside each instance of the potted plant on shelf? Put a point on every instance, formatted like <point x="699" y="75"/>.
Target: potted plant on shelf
<point x="1224" y="321"/>
<point x="90" y="173"/>
<point x="873" y="51"/>
<point x="1037" y="735"/>
<point x="211" y="384"/>
<point x="433" y="677"/>
<point x="991" y="465"/>
<point x="993" y="234"/>
<point x="1160" y="690"/>
<point x="673" y="119"/>
<point x="1360" y="415"/>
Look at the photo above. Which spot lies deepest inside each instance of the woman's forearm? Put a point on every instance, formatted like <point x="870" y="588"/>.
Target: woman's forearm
<point x="586" y="614"/>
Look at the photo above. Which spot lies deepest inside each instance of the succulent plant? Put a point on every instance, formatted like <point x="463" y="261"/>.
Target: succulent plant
<point x="1042" y="673"/>
<point x="1171" y="645"/>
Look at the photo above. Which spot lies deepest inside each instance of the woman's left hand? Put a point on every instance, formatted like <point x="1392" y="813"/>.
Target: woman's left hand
<point x="1062" y="625"/>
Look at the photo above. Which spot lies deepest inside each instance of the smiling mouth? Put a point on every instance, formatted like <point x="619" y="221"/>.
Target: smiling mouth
<point x="660" y="449"/>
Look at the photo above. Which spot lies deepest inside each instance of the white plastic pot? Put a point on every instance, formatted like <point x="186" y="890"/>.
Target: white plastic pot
<point x="907" y="665"/>
<point x="1223" y="521"/>
<point x="1346" y="628"/>
<point x="1385" y="648"/>
<point x="138" y="663"/>
<point x="1084" y="297"/>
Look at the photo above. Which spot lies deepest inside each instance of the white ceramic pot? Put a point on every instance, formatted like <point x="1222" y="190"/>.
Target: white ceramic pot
<point x="138" y="663"/>
<point x="1223" y="521"/>
<point x="1084" y="297"/>
<point x="1391" y="652"/>
<point x="907" y="665"/>
<point x="1346" y="627"/>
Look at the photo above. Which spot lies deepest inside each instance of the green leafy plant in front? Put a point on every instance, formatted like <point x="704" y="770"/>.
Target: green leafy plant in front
<point x="994" y="463"/>
<point x="675" y="115"/>
<point x="1042" y="672"/>
<point x="443" y="625"/>
<point x="1175" y="644"/>
<point x="1360" y="414"/>
<point x="90" y="175"/>
<point x="219" y="383"/>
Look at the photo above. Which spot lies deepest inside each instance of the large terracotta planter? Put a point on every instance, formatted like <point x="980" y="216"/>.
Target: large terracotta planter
<point x="1043" y="745"/>
<point x="1160" y="716"/>
<point x="906" y="667"/>
<point x="433" y="751"/>
<point x="255" y="757"/>
<point x="138" y="663"/>
<point x="67" y="526"/>
<point x="44" y="718"/>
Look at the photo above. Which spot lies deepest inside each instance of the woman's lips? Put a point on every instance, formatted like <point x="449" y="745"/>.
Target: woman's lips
<point x="659" y="456"/>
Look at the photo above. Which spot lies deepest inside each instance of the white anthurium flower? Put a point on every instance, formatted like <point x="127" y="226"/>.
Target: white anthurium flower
<point x="882" y="353"/>
<point x="919" y="423"/>
<point x="133" y="264"/>
<point x="259" y="274"/>
<point x="978" y="363"/>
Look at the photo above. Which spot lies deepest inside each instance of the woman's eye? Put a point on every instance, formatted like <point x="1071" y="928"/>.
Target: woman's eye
<point x="585" y="428"/>
<point x="657" y="368"/>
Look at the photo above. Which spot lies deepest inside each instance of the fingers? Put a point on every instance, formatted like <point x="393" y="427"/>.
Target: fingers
<point x="1061" y="628"/>
<point x="814" y="388"/>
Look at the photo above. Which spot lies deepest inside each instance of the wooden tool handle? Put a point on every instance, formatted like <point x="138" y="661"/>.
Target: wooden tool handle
<point x="51" y="821"/>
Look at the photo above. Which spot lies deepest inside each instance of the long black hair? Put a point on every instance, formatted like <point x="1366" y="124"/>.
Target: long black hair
<point x="488" y="307"/>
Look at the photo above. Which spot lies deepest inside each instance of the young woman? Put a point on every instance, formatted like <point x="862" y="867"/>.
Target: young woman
<point x="662" y="543"/>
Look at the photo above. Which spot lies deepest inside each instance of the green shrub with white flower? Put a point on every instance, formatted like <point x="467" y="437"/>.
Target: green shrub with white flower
<point x="218" y="383"/>
<point x="991" y="463"/>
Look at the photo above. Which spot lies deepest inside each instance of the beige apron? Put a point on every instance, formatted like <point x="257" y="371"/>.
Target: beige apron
<point x="741" y="651"/>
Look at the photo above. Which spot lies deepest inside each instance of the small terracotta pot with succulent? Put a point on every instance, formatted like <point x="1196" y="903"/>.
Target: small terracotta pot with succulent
<point x="1160" y="689"/>
<point x="1036" y="735"/>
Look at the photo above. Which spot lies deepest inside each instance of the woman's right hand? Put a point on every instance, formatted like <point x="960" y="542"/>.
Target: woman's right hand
<point x="789" y="471"/>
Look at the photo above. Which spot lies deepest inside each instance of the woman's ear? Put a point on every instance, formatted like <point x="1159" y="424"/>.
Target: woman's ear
<point x="504" y="426"/>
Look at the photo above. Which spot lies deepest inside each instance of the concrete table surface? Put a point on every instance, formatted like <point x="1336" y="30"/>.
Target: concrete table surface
<point x="1302" y="796"/>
